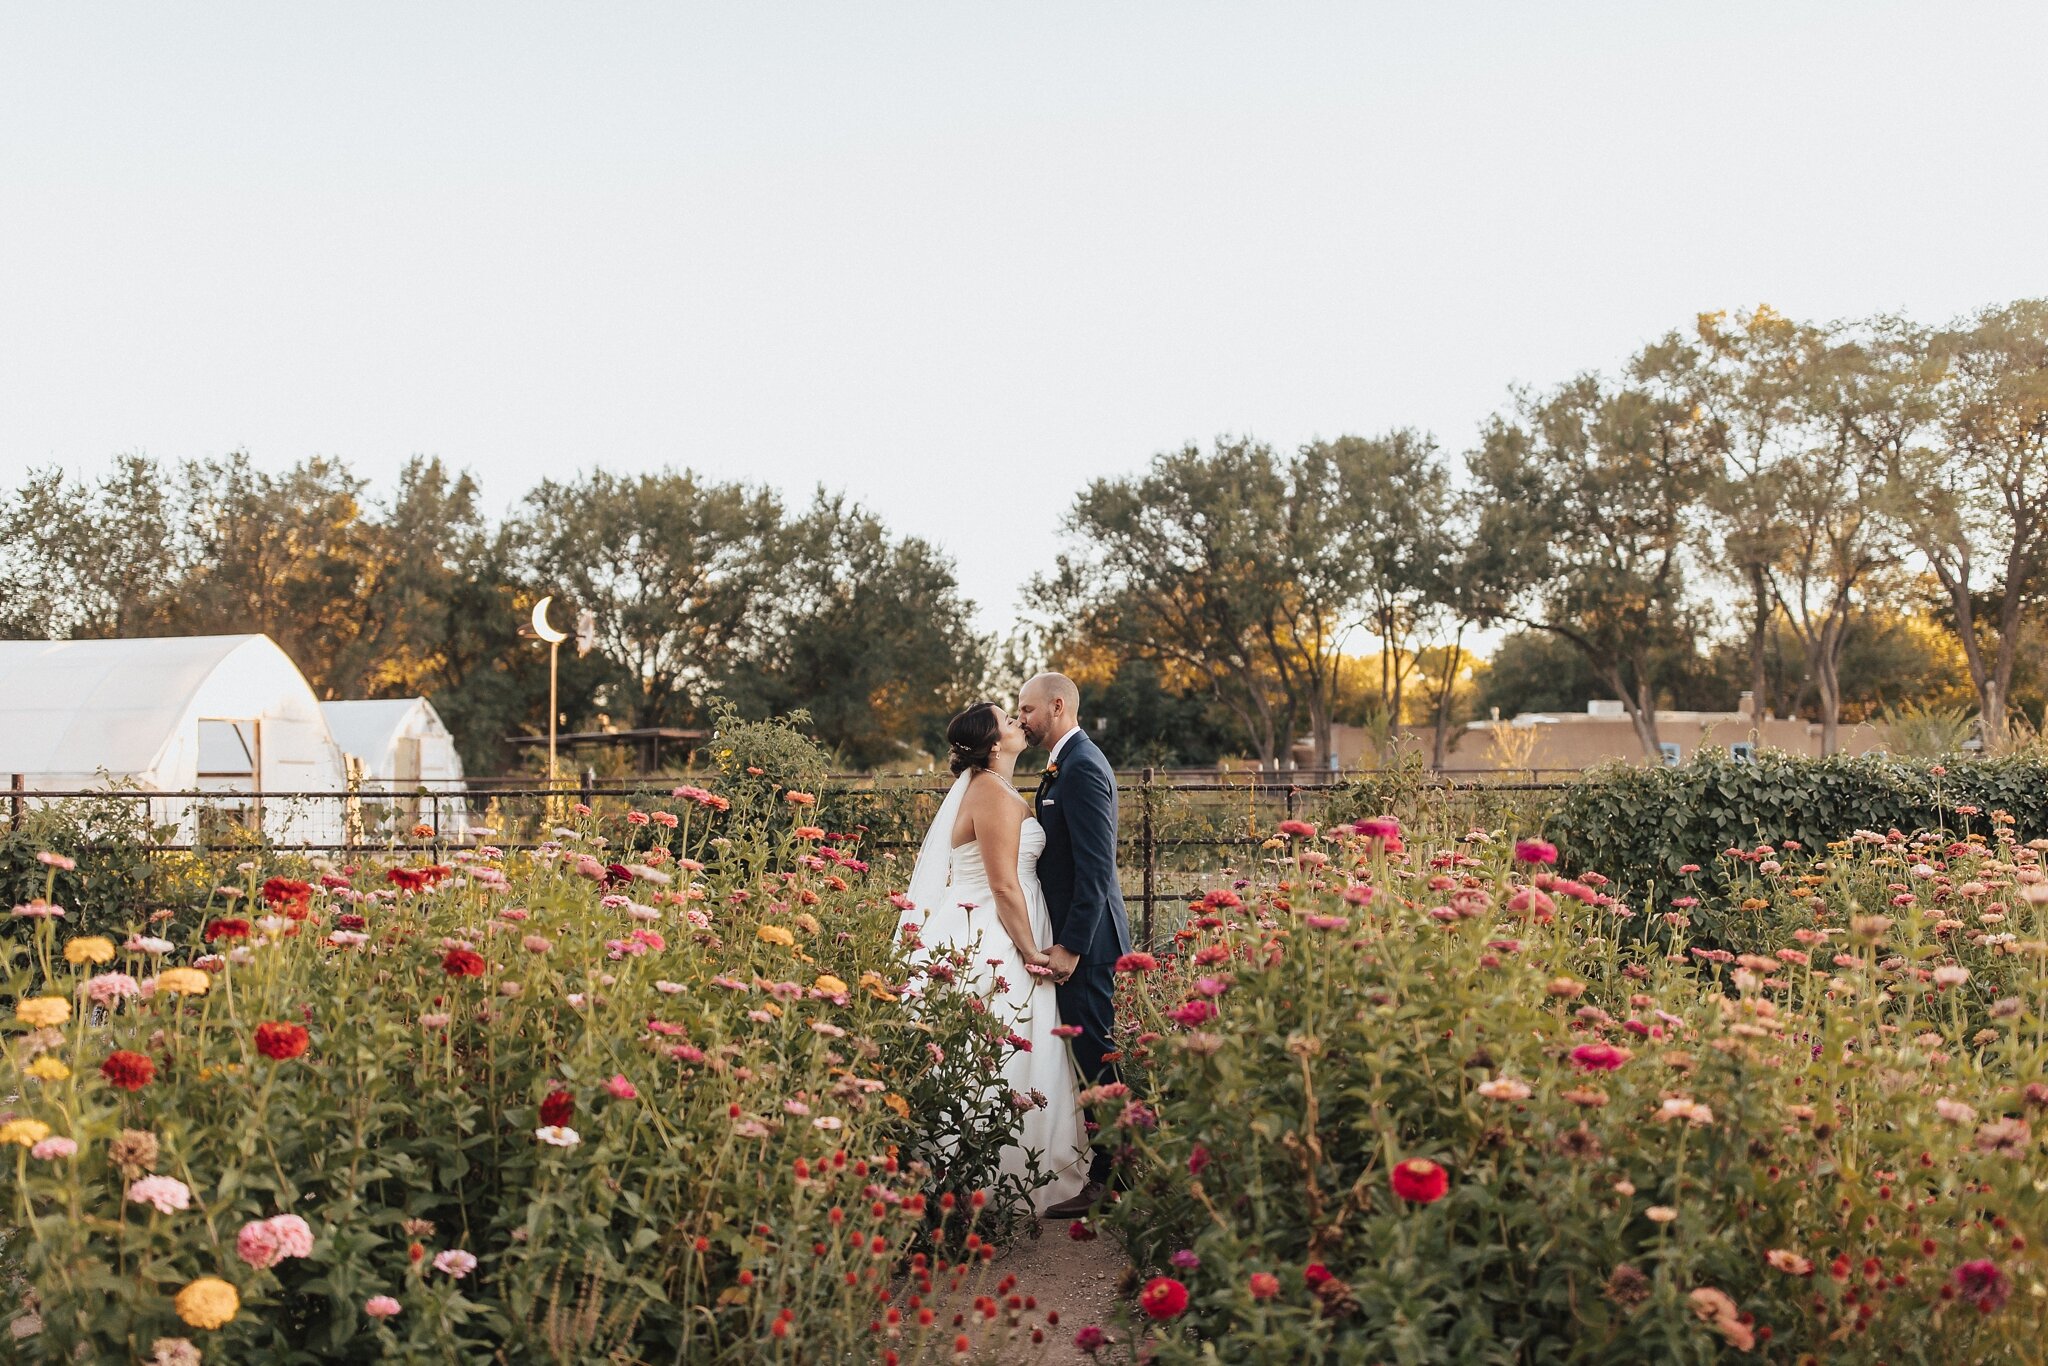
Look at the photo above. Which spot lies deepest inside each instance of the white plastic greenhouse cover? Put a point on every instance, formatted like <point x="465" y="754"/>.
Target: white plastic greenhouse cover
<point x="74" y="710"/>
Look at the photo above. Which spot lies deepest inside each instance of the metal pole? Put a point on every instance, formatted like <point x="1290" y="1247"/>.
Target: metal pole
<point x="17" y="784"/>
<point x="554" y="652"/>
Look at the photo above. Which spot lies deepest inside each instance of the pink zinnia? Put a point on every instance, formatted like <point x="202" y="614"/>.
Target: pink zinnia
<point x="381" y="1307"/>
<point x="1535" y="851"/>
<point x="166" y="1194"/>
<point x="620" y="1088"/>
<point x="50" y="1149"/>
<point x="1599" y="1057"/>
<point x="455" y="1262"/>
<point x="1379" y="828"/>
<point x="108" y="988"/>
<point x="263" y="1243"/>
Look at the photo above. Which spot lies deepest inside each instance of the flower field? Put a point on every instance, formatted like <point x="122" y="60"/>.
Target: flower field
<point x="596" y="1101"/>
<point x="1442" y="1104"/>
<point x="668" y="1088"/>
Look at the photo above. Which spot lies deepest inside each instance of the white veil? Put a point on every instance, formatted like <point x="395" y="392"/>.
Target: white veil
<point x="933" y="874"/>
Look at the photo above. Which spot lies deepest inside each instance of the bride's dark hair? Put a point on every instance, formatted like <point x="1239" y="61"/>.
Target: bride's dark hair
<point x="973" y="735"/>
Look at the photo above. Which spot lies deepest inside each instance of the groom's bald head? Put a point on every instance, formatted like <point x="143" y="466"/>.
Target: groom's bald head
<point x="1046" y="708"/>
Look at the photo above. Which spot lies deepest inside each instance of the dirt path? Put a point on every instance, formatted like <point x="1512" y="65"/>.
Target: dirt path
<point x="1076" y="1279"/>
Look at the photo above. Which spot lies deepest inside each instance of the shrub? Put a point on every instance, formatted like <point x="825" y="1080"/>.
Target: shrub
<point x="556" y="1107"/>
<point x="1395" y="1107"/>
<point x="1641" y="825"/>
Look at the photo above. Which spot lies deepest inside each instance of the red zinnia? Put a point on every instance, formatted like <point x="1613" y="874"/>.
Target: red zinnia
<point x="463" y="963"/>
<point x="1136" y="962"/>
<point x="1163" y="1298"/>
<point x="1420" y="1180"/>
<point x="558" y="1109"/>
<point x="1264" y="1285"/>
<point x="288" y="895"/>
<point x="280" y="1040"/>
<point x="129" y="1071"/>
<point x="1535" y="851"/>
<point x="1298" y="829"/>
<point x="226" y="928"/>
<point x="1981" y="1283"/>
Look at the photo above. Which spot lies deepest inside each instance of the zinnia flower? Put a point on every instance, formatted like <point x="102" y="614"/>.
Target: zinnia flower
<point x="463" y="963"/>
<point x="381" y="1307"/>
<point x="263" y="1243"/>
<point x="42" y="1012"/>
<point x="173" y="1352"/>
<point x="620" y="1088"/>
<point x="1981" y="1283"/>
<point x="1535" y="851"/>
<point x="51" y="1149"/>
<point x="166" y="1194"/>
<point x="455" y="1262"/>
<point x="1420" y="1181"/>
<point x="25" y="1133"/>
<point x="1264" y="1285"/>
<point x="280" y="1040"/>
<point x="1504" y="1088"/>
<point x="1136" y="962"/>
<point x="1163" y="1298"/>
<point x="229" y="927"/>
<point x="557" y="1135"/>
<point x="108" y="988"/>
<point x="183" y="982"/>
<point x="1599" y="1057"/>
<point x="129" y="1071"/>
<point x="92" y="948"/>
<point x="208" y="1302"/>
<point x="557" y="1109"/>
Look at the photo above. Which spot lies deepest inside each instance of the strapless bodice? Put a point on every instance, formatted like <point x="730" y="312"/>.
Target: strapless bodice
<point x="968" y="869"/>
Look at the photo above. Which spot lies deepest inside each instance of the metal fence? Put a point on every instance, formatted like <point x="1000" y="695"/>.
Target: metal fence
<point x="1174" y="827"/>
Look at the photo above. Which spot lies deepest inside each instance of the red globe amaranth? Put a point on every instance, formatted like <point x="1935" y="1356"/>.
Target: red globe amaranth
<point x="129" y="1071"/>
<point x="228" y="927"/>
<point x="463" y="963"/>
<point x="558" y="1109"/>
<point x="280" y="1040"/>
<point x="1420" y="1181"/>
<point x="1163" y="1298"/>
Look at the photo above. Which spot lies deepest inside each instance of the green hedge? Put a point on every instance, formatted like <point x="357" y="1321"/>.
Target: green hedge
<point x="1640" y="825"/>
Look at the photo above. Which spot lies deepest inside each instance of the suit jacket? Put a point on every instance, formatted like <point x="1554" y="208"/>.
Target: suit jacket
<point x="1077" y="807"/>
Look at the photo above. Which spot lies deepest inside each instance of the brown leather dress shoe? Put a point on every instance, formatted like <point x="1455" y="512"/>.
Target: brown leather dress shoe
<point x="1079" y="1206"/>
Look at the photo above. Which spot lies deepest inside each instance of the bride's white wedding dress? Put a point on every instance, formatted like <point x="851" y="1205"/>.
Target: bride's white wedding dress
<point x="961" y="913"/>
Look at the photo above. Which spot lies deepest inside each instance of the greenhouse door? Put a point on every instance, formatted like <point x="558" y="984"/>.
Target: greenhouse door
<point x="230" y="761"/>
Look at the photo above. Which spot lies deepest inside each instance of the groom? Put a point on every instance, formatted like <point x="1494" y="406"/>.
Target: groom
<point x="1076" y="804"/>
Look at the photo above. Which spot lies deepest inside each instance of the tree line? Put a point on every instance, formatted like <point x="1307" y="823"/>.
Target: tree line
<point x="1825" y="515"/>
<point x="1751" y="480"/>
<point x="699" y="589"/>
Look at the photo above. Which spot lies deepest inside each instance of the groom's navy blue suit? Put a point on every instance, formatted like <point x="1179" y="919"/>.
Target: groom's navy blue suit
<point x="1076" y="804"/>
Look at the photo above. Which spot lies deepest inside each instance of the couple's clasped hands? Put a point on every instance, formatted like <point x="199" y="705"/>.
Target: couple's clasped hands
<point x="1057" y="963"/>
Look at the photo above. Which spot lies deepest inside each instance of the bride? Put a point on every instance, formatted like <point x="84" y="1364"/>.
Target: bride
<point x="976" y="888"/>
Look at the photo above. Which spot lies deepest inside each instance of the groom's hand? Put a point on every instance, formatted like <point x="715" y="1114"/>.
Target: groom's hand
<point x="1063" y="961"/>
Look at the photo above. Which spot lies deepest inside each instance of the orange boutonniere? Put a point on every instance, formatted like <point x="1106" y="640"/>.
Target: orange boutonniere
<point x="1051" y="771"/>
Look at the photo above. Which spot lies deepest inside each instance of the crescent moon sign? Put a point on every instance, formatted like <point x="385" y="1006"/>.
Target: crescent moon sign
<point x="540" y="623"/>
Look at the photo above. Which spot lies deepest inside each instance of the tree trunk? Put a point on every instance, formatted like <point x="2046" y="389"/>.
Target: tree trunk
<point x="1439" y="748"/>
<point x="1759" y="635"/>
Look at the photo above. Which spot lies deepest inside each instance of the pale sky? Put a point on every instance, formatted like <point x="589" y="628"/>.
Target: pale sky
<point x="955" y="259"/>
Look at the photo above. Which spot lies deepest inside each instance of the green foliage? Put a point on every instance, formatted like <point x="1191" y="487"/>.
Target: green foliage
<point x="1641" y="825"/>
<point x="108" y="839"/>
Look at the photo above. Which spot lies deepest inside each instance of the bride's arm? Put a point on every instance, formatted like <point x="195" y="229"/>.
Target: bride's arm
<point x="998" y="817"/>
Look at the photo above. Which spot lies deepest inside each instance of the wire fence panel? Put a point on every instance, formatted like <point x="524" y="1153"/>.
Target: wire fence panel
<point x="1177" y="831"/>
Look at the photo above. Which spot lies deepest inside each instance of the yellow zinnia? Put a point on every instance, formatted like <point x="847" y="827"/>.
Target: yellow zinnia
<point x="92" y="948"/>
<point x="26" y="1132"/>
<point x="183" y="982"/>
<point x="876" y="987"/>
<point x="829" y="984"/>
<point x="47" y="1068"/>
<point x="775" y="934"/>
<point x="208" y="1302"/>
<point x="43" y="1012"/>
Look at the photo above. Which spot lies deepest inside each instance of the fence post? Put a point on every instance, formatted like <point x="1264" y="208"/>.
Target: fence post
<point x="16" y="785"/>
<point x="1150" y="848"/>
<point x="588" y="791"/>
